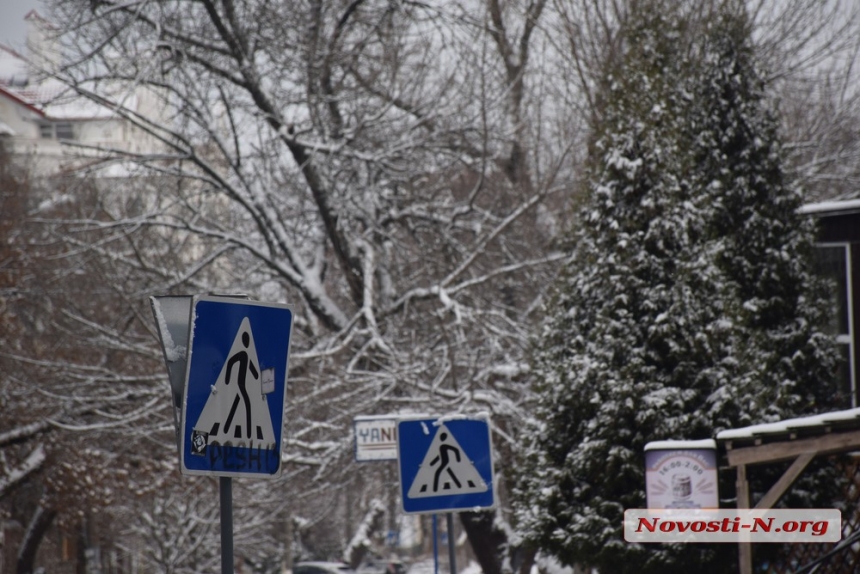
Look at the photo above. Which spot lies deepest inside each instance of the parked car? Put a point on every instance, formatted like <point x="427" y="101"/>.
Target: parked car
<point x="322" y="568"/>
<point x="382" y="567"/>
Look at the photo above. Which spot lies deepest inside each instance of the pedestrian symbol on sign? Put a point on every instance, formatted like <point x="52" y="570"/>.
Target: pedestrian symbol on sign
<point x="446" y="470"/>
<point x="236" y="409"/>
<point x="235" y="388"/>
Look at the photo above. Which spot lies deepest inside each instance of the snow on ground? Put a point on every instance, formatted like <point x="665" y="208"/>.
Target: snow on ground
<point x="427" y="567"/>
<point x="543" y="564"/>
<point x="424" y="567"/>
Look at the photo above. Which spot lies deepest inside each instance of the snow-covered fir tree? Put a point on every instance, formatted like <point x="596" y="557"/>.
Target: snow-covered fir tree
<point x="760" y="243"/>
<point x="686" y="306"/>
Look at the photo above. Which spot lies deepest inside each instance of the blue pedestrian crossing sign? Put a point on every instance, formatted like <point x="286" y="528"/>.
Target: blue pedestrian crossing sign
<point x="235" y="390"/>
<point x="445" y="464"/>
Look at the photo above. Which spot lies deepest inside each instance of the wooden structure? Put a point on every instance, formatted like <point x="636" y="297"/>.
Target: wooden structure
<point x="798" y="440"/>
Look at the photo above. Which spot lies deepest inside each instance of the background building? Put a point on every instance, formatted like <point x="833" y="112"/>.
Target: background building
<point x="48" y="124"/>
<point x="838" y="257"/>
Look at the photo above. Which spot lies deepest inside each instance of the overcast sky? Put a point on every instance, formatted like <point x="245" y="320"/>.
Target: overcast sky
<point x="12" y="27"/>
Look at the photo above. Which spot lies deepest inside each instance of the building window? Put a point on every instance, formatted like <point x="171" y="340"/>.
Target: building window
<point x="64" y="131"/>
<point x="57" y="130"/>
<point x="833" y="261"/>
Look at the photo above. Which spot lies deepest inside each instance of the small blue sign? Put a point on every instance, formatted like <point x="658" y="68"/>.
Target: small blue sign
<point x="445" y="464"/>
<point x="235" y="391"/>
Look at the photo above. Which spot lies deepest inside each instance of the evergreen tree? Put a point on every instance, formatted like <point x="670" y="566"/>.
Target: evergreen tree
<point x="761" y="245"/>
<point x="685" y="307"/>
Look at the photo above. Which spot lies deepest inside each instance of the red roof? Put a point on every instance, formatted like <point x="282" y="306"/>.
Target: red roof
<point x="19" y="100"/>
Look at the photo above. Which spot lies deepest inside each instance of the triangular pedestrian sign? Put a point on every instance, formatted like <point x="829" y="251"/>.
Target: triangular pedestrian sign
<point x="445" y="469"/>
<point x="235" y="388"/>
<point x="445" y="464"/>
<point x="236" y="409"/>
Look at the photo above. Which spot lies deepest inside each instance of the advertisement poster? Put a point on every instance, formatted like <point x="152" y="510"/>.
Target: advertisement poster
<point x="681" y="474"/>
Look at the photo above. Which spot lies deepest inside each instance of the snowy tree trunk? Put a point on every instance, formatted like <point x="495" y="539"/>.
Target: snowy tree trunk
<point x="485" y="540"/>
<point x="39" y="524"/>
<point x="488" y="543"/>
<point x="360" y="543"/>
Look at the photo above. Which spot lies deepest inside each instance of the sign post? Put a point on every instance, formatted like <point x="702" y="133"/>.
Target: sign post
<point x="227" y="362"/>
<point x="445" y="465"/>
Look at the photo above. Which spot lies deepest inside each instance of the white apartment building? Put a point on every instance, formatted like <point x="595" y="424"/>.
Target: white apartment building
<point x="54" y="129"/>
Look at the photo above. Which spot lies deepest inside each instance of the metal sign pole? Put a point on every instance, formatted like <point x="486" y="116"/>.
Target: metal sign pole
<point x="226" y="486"/>
<point x="452" y="558"/>
<point x="175" y="317"/>
<point x="435" y="549"/>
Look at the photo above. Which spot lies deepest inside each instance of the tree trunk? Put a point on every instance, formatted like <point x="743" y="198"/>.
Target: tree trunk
<point x="357" y="549"/>
<point x="524" y="559"/>
<point x="487" y="541"/>
<point x="39" y="524"/>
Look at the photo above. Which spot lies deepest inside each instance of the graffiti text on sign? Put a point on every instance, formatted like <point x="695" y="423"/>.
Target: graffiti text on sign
<point x="239" y="457"/>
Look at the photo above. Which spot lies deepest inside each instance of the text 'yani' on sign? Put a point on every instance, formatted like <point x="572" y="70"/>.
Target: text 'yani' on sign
<point x="375" y="438"/>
